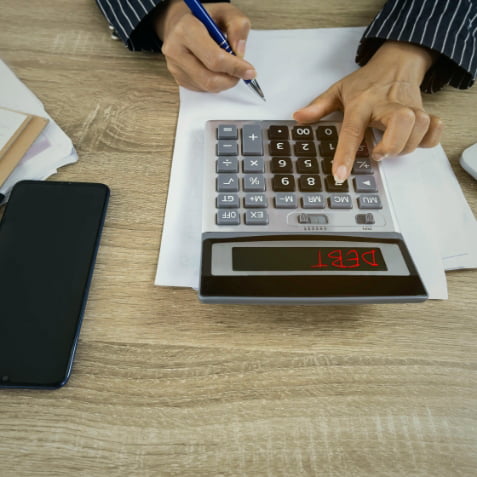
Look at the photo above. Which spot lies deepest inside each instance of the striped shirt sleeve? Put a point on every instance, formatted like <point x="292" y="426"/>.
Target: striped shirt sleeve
<point x="131" y="21"/>
<point x="448" y="27"/>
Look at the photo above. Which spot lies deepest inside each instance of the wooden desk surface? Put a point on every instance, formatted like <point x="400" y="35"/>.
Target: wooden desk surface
<point x="163" y="385"/>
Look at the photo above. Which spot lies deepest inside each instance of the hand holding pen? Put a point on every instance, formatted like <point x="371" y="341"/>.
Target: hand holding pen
<point x="193" y="57"/>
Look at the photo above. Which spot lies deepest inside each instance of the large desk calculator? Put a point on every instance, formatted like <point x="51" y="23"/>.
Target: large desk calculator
<point x="276" y="228"/>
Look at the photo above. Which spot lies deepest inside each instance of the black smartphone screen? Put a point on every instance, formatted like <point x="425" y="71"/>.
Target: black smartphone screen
<point x="49" y="235"/>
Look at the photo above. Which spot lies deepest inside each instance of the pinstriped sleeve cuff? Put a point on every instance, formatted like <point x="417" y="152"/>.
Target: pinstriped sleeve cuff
<point x="132" y="21"/>
<point x="449" y="28"/>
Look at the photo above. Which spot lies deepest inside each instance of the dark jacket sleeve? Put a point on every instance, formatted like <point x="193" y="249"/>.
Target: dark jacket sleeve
<point x="448" y="27"/>
<point x="131" y="21"/>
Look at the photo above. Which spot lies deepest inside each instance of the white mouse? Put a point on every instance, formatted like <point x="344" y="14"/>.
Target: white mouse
<point x="468" y="160"/>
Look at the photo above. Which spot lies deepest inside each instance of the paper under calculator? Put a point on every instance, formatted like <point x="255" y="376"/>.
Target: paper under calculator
<point x="276" y="228"/>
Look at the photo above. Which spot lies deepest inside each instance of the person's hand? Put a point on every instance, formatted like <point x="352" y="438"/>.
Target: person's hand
<point x="384" y="94"/>
<point x="193" y="58"/>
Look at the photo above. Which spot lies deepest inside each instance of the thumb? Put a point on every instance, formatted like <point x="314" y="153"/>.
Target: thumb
<point x="322" y="105"/>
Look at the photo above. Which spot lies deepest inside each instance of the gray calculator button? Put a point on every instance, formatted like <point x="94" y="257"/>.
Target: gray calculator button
<point x="340" y="201"/>
<point x="313" y="201"/>
<point x="252" y="144"/>
<point x="254" y="183"/>
<point x="228" y="217"/>
<point x="253" y="164"/>
<point x="253" y="201"/>
<point x="227" y="148"/>
<point x="315" y="219"/>
<point x="227" y="164"/>
<point x="285" y="201"/>
<point x="227" y="183"/>
<point x="227" y="131"/>
<point x="228" y="201"/>
<point x="365" y="183"/>
<point x="362" y="166"/>
<point x="256" y="217"/>
<point x="369" y="202"/>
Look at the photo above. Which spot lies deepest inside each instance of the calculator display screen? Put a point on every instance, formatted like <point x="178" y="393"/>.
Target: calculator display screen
<point x="308" y="259"/>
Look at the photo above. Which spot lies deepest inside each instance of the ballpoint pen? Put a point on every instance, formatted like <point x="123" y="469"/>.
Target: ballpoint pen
<point x="214" y="31"/>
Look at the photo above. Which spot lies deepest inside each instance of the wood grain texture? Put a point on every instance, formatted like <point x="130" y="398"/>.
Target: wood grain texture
<point x="163" y="385"/>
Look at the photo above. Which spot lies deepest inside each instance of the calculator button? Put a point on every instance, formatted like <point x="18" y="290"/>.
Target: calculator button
<point x="365" y="184"/>
<point x="227" y="131"/>
<point x="277" y="132"/>
<point x="281" y="164"/>
<point x="254" y="183"/>
<point x="365" y="219"/>
<point x="307" y="165"/>
<point x="227" y="183"/>
<point x="309" y="183"/>
<point x="327" y="133"/>
<point x="302" y="132"/>
<point x="227" y="148"/>
<point x="228" y="201"/>
<point x="369" y="202"/>
<point x="313" y="201"/>
<point x="256" y="217"/>
<point x="252" y="144"/>
<point x="228" y="217"/>
<point x="283" y="183"/>
<point x="362" y="151"/>
<point x="285" y="201"/>
<point x="332" y="186"/>
<point x="304" y="148"/>
<point x="279" y="148"/>
<point x="227" y="164"/>
<point x="254" y="201"/>
<point x="327" y="164"/>
<point x="327" y="149"/>
<point x="340" y="201"/>
<point x="253" y="164"/>
<point x="362" y="166"/>
<point x="315" y="219"/>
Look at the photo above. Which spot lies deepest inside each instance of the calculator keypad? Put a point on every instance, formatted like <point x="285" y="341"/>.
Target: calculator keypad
<point x="266" y="172"/>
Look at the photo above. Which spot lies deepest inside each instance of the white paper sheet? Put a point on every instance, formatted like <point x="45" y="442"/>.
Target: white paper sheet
<point x="294" y="66"/>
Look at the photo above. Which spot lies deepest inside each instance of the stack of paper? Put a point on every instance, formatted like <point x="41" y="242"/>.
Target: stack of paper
<point x="52" y="149"/>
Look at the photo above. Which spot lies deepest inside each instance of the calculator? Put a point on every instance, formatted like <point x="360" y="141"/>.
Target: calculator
<point x="277" y="228"/>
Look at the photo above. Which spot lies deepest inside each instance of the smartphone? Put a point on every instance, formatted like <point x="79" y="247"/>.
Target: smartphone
<point x="49" y="236"/>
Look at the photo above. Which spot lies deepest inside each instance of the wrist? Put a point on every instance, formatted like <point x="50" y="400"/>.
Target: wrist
<point x="405" y="61"/>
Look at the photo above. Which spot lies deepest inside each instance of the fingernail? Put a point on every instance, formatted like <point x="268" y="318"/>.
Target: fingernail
<point x="249" y="74"/>
<point x="240" y="49"/>
<point x="379" y="157"/>
<point x="341" y="175"/>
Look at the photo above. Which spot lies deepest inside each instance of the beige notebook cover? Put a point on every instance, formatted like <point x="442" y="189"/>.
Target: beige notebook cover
<point x="18" y="132"/>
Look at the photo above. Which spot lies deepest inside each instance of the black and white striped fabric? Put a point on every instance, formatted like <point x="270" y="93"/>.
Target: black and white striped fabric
<point x="448" y="27"/>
